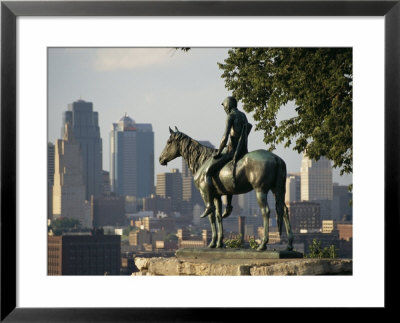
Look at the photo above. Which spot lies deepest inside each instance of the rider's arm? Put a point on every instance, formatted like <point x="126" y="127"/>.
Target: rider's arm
<point x="224" y="140"/>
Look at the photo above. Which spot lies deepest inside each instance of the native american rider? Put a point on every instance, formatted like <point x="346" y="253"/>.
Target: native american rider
<point x="237" y="130"/>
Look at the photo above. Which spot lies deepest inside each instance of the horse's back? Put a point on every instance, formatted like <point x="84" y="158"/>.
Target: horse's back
<point x="257" y="169"/>
<point x="261" y="155"/>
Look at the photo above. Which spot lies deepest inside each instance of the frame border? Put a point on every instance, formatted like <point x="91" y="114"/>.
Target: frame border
<point x="10" y="10"/>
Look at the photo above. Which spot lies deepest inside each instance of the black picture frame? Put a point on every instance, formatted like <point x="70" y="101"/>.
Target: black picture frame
<point x="10" y="10"/>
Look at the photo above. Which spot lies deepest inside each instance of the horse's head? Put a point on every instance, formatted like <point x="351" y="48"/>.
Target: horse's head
<point x="171" y="150"/>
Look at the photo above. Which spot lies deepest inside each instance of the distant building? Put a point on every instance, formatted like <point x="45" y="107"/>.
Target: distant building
<point x="84" y="255"/>
<point x="69" y="192"/>
<point x="293" y="188"/>
<point x="197" y="211"/>
<point x="248" y="204"/>
<point x="328" y="226"/>
<point x="84" y="123"/>
<point x="241" y="225"/>
<point x="133" y="204"/>
<point x="183" y="234"/>
<point x="166" y="245"/>
<point x="108" y="211"/>
<point x="304" y="217"/>
<point x="185" y="240"/>
<point x="341" y="204"/>
<point x="106" y="183"/>
<point x="50" y="178"/>
<point x="344" y="248"/>
<point x="316" y="184"/>
<point x="158" y="204"/>
<point x="131" y="158"/>
<point x="170" y="185"/>
<point x="345" y="231"/>
<point x="139" y="237"/>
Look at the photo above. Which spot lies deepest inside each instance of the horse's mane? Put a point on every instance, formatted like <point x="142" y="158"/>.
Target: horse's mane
<point x="194" y="153"/>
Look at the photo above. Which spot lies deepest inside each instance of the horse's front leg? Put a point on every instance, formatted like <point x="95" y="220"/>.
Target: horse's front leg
<point x="218" y="214"/>
<point x="213" y="242"/>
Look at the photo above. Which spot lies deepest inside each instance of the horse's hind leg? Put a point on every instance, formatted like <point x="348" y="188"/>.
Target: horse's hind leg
<point x="263" y="203"/>
<point x="288" y="228"/>
<point x="218" y="210"/>
<point x="282" y="212"/>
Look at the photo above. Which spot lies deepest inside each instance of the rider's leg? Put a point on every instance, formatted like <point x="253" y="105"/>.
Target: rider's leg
<point x="208" y="187"/>
<point x="207" y="192"/>
<point x="208" y="196"/>
<point x="229" y="207"/>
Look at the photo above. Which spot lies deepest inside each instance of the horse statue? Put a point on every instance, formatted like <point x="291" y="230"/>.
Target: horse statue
<point x="259" y="170"/>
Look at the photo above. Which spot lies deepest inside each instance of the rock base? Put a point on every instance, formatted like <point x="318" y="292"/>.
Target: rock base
<point x="269" y="267"/>
<point x="233" y="256"/>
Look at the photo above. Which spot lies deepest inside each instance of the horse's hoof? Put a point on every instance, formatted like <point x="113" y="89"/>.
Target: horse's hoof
<point x="289" y="248"/>
<point x="220" y="246"/>
<point x="262" y="248"/>
<point x="228" y="211"/>
<point x="211" y="245"/>
<point x="208" y="210"/>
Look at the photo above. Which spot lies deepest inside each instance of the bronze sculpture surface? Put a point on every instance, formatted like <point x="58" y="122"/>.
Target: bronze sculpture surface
<point x="236" y="131"/>
<point x="259" y="170"/>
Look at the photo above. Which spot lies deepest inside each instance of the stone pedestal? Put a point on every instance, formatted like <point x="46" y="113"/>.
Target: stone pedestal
<point x="233" y="256"/>
<point x="239" y="262"/>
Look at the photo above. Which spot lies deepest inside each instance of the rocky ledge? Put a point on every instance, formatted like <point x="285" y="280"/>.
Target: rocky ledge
<point x="269" y="267"/>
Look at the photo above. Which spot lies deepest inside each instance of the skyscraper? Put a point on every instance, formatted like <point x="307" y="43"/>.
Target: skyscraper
<point x="69" y="189"/>
<point x="316" y="184"/>
<point x="170" y="185"/>
<point x="131" y="158"/>
<point x="84" y="123"/>
<point x="292" y="187"/>
<point x="341" y="204"/>
<point x="50" y="179"/>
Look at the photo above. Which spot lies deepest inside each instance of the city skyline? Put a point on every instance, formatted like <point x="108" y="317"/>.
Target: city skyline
<point x="160" y="86"/>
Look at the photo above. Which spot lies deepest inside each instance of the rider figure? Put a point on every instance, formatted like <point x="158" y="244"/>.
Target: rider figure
<point x="237" y="130"/>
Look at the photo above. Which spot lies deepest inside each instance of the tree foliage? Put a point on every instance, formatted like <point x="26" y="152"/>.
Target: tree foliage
<point x="64" y="224"/>
<point x="171" y="237"/>
<point x="319" y="83"/>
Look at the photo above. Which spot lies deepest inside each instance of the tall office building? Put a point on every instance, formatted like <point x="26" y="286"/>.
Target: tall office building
<point x="305" y="217"/>
<point x="170" y="185"/>
<point x="84" y="123"/>
<point x="132" y="158"/>
<point x="293" y="187"/>
<point x="341" y="204"/>
<point x="50" y="179"/>
<point x="316" y="184"/>
<point x="69" y="192"/>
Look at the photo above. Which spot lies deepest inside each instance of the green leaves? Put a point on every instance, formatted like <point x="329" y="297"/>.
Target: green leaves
<point x="317" y="80"/>
<point x="234" y="243"/>
<point x="316" y="251"/>
<point x="58" y="226"/>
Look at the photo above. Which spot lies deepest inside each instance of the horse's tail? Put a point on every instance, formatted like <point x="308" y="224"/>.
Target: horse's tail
<point x="280" y="190"/>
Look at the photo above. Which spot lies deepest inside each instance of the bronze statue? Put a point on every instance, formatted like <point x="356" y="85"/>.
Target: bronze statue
<point x="237" y="130"/>
<point x="260" y="170"/>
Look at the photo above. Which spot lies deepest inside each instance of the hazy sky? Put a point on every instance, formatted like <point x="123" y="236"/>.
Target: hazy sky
<point x="160" y="86"/>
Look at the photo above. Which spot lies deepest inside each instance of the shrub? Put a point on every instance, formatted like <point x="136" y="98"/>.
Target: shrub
<point x="316" y="251"/>
<point x="234" y="243"/>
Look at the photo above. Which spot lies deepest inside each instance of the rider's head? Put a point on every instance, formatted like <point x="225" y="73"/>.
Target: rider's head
<point x="229" y="104"/>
